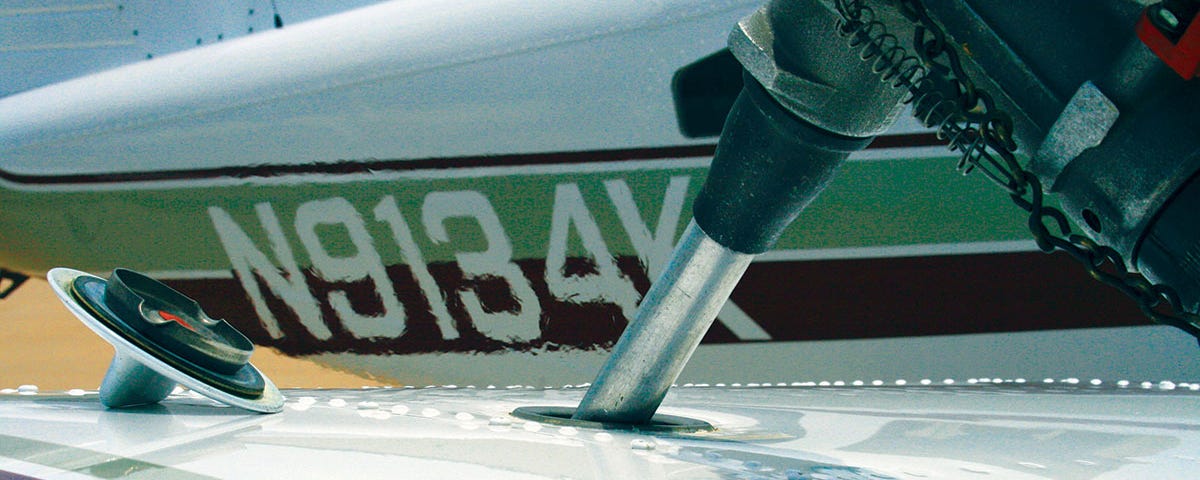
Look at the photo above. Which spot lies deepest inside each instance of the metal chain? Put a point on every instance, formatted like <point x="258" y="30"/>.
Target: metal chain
<point x="944" y="97"/>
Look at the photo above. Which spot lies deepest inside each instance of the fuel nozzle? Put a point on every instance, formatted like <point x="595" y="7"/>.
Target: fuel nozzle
<point x="807" y="103"/>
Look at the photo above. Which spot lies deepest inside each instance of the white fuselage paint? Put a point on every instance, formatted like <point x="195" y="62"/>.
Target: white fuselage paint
<point x="570" y="216"/>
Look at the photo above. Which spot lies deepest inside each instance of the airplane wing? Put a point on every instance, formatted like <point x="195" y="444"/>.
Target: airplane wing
<point x="920" y="429"/>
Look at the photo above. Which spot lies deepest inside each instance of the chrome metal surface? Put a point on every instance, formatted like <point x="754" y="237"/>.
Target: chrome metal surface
<point x="668" y="326"/>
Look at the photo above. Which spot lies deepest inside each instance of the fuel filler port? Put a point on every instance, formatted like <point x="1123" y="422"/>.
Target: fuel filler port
<point x="659" y="423"/>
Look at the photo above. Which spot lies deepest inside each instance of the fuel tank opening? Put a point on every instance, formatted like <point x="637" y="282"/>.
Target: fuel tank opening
<point x="660" y="423"/>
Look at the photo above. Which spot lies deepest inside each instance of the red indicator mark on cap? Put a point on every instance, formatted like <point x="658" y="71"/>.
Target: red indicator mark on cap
<point x="176" y="319"/>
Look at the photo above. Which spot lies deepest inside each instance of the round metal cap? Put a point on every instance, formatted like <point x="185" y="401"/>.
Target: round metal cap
<point x="167" y="318"/>
<point x="146" y="366"/>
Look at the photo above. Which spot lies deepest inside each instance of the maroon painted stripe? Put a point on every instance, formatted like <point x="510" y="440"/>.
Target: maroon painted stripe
<point x="931" y="295"/>
<point x="791" y="301"/>
<point x="437" y="163"/>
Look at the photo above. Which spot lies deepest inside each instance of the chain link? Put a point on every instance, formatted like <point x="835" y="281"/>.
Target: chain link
<point x="943" y="97"/>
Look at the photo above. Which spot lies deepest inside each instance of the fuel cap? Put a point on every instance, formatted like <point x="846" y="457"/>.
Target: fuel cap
<point x="162" y="338"/>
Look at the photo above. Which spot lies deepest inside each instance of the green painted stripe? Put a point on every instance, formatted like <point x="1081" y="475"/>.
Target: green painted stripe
<point x="870" y="203"/>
